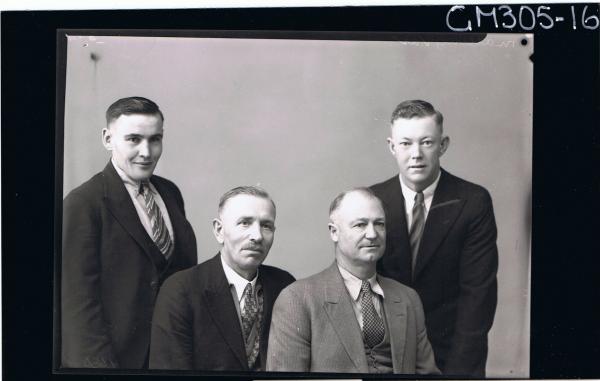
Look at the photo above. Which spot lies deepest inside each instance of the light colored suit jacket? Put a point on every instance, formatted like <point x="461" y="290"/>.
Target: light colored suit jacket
<point x="314" y="328"/>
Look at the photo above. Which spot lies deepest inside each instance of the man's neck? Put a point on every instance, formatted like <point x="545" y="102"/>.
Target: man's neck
<point x="362" y="271"/>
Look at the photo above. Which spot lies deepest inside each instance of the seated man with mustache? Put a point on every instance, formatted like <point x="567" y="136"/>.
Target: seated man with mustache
<point x="216" y="315"/>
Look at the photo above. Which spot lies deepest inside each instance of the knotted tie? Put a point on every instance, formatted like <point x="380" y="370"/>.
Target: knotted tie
<point x="249" y="316"/>
<point x="160" y="234"/>
<point x="416" y="229"/>
<point x="373" y="328"/>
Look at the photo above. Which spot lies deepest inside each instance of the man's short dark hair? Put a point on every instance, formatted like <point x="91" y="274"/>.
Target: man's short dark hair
<point x="250" y="190"/>
<point x="335" y="204"/>
<point x="132" y="105"/>
<point x="417" y="109"/>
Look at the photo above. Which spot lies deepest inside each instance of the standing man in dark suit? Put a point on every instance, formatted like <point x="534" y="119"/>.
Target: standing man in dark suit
<point x="124" y="232"/>
<point x="441" y="240"/>
<point x="216" y="316"/>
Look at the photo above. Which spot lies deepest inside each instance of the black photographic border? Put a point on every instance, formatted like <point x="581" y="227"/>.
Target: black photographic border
<point x="565" y="339"/>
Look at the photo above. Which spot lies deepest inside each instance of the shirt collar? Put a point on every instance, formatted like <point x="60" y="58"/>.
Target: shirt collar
<point x="409" y="194"/>
<point x="237" y="280"/>
<point x="354" y="283"/>
<point x="128" y="181"/>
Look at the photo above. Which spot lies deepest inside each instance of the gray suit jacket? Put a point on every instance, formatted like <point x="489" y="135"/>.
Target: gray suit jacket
<point x="314" y="328"/>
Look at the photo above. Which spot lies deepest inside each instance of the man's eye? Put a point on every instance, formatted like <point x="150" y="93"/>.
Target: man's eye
<point x="245" y="223"/>
<point x="360" y="225"/>
<point x="268" y="227"/>
<point x="156" y="139"/>
<point x="133" y="139"/>
<point x="404" y="144"/>
<point x="427" y="143"/>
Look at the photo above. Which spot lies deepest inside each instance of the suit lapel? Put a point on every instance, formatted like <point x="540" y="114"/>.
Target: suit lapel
<point x="395" y="314"/>
<point x="397" y="242"/>
<point x="342" y="318"/>
<point x="121" y="207"/>
<point x="268" y="290"/>
<point x="444" y="210"/>
<point x="222" y="309"/>
<point x="175" y="216"/>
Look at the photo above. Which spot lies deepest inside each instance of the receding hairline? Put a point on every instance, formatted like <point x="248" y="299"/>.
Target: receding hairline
<point x="252" y="191"/>
<point x="339" y="199"/>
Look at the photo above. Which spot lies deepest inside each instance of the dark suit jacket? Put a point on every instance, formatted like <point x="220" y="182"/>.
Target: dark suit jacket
<point x="196" y="325"/>
<point x="456" y="267"/>
<point x="314" y="328"/>
<point x="112" y="271"/>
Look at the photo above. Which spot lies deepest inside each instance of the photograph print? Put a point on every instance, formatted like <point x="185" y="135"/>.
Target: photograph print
<point x="283" y="202"/>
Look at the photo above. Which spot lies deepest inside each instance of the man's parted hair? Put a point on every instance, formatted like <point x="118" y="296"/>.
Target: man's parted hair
<point x="417" y="109"/>
<point x="250" y="190"/>
<point x="335" y="204"/>
<point x="132" y="105"/>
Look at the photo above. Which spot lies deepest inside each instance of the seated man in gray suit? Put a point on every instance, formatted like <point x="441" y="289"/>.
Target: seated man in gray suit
<point x="216" y="315"/>
<point x="347" y="318"/>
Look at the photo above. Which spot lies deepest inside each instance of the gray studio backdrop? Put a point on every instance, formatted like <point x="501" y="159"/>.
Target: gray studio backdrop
<point x="306" y="119"/>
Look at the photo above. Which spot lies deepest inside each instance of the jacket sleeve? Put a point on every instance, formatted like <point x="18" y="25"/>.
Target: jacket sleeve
<point x="85" y="333"/>
<point x="289" y="348"/>
<point x="425" y="360"/>
<point x="477" y="298"/>
<point x="171" y="341"/>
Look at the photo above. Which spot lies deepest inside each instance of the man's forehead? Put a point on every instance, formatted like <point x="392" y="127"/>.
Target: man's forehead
<point x="247" y="205"/>
<point x="356" y="205"/>
<point x="425" y="124"/>
<point x="137" y="119"/>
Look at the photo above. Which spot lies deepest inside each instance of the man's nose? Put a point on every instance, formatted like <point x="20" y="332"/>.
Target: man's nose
<point x="144" y="149"/>
<point x="255" y="232"/>
<point x="370" y="232"/>
<point x="415" y="150"/>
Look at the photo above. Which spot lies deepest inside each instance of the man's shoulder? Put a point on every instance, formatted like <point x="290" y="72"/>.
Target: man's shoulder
<point x="308" y="285"/>
<point x="92" y="189"/>
<point x="163" y="181"/>
<point x="390" y="285"/>
<point x="463" y="185"/>
<point x="184" y="280"/>
<point x="276" y="273"/>
<point x="385" y="185"/>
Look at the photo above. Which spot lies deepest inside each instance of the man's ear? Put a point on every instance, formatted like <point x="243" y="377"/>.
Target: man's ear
<point x="107" y="138"/>
<point x="391" y="146"/>
<point x="444" y="144"/>
<point x="333" y="231"/>
<point x="218" y="230"/>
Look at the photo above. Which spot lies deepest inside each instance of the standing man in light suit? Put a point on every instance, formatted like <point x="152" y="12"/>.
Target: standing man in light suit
<point x="441" y="240"/>
<point x="347" y="318"/>
<point x="124" y="232"/>
<point x="216" y="315"/>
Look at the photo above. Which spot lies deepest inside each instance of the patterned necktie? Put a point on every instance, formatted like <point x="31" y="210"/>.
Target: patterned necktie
<point x="249" y="316"/>
<point x="416" y="229"/>
<point x="373" y="328"/>
<point x="160" y="234"/>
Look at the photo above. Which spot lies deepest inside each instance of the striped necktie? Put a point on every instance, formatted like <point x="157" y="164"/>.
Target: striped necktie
<point x="160" y="233"/>
<point x="416" y="229"/>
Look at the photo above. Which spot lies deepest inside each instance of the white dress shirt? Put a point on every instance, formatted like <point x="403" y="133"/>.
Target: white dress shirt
<point x="133" y="188"/>
<point x="409" y="198"/>
<point x="353" y="285"/>
<point x="237" y="284"/>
